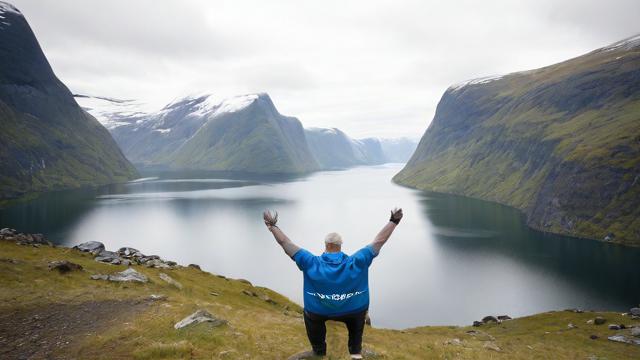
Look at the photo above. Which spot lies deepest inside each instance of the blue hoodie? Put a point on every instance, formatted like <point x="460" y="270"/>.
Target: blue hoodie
<point x="334" y="283"/>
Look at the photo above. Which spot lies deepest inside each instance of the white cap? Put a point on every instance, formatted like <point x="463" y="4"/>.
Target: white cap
<point x="333" y="238"/>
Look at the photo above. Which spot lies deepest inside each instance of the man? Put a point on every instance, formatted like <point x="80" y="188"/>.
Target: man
<point x="336" y="285"/>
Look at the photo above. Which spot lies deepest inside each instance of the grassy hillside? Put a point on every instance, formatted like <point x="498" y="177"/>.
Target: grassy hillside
<point x="561" y="143"/>
<point x="45" y="313"/>
<point x="47" y="142"/>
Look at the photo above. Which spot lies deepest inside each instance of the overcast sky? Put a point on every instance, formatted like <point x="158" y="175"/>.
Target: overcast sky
<point x="371" y="68"/>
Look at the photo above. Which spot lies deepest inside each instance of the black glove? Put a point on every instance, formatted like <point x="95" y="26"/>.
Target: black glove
<point x="396" y="216"/>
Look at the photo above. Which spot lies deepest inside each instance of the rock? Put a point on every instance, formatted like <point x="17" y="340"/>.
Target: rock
<point x="635" y="311"/>
<point x="635" y="331"/>
<point x="490" y="318"/>
<point x="590" y="322"/>
<point x="93" y="247"/>
<point x="369" y="354"/>
<point x="599" y="320"/>
<point x="157" y="297"/>
<point x="7" y="231"/>
<point x="504" y="317"/>
<point x="491" y="346"/>
<point x="249" y="293"/>
<point x="197" y="317"/>
<point x="624" y="339"/>
<point x="571" y="326"/>
<point x="108" y="257"/>
<point x="454" y="341"/>
<point x="593" y="337"/>
<point x="609" y="237"/>
<point x="214" y="293"/>
<point x="245" y="281"/>
<point x="129" y="253"/>
<point x="147" y="258"/>
<point x="170" y="280"/>
<point x="160" y="264"/>
<point x="614" y="327"/>
<point x="267" y="299"/>
<point x="64" y="266"/>
<point x="477" y="323"/>
<point x="222" y="277"/>
<point x="129" y="275"/>
<point x="195" y="266"/>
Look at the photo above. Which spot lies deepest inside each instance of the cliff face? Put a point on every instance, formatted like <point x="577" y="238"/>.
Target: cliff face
<point x="47" y="141"/>
<point x="561" y="143"/>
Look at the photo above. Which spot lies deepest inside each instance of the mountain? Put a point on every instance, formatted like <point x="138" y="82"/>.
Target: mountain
<point x="243" y="133"/>
<point x="47" y="141"/>
<point x="333" y="149"/>
<point x="398" y="150"/>
<point x="560" y="143"/>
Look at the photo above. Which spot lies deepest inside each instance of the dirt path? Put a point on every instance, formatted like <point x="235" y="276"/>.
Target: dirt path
<point x="44" y="333"/>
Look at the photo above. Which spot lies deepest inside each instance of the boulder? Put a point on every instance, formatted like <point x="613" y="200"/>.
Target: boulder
<point x="197" y="317"/>
<point x="195" y="266"/>
<point x="614" y="327"/>
<point x="477" y="323"/>
<point x="129" y="275"/>
<point x="157" y="297"/>
<point x="635" y="331"/>
<point x="571" y="326"/>
<point x="129" y="253"/>
<point x="491" y="346"/>
<point x="490" y="318"/>
<point x="108" y="257"/>
<point x="624" y="339"/>
<point x="504" y="317"/>
<point x="64" y="266"/>
<point x="635" y="311"/>
<point x="7" y="231"/>
<point x="599" y="320"/>
<point x="169" y="280"/>
<point x="93" y="247"/>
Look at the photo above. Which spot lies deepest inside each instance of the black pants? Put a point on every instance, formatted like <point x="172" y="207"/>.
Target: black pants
<point x="317" y="331"/>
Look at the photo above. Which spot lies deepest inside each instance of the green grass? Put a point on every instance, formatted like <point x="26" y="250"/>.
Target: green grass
<point x="260" y="330"/>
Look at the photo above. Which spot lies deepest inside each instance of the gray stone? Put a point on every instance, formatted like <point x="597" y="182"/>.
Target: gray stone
<point x="7" y="231"/>
<point x="195" y="266"/>
<point x="197" y="317"/>
<point x="490" y="318"/>
<point x="93" y="247"/>
<point x="491" y="346"/>
<point x="635" y="331"/>
<point x="157" y="297"/>
<point x="108" y="257"/>
<point x="614" y="327"/>
<point x="129" y="253"/>
<point x="624" y="339"/>
<point x="599" y="320"/>
<point x="635" y="311"/>
<point x="571" y="326"/>
<point x="504" y="317"/>
<point x="168" y="279"/>
<point x="64" y="266"/>
<point x="477" y="323"/>
<point x="129" y="275"/>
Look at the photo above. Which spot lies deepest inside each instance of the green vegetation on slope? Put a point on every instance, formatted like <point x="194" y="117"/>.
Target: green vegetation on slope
<point x="561" y="143"/>
<point x="47" y="142"/>
<point x="257" y="329"/>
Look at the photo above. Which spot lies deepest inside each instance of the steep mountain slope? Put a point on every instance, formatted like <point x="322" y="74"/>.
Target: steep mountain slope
<point x="333" y="149"/>
<point x="561" y="143"/>
<point x="243" y="133"/>
<point x="47" y="141"/>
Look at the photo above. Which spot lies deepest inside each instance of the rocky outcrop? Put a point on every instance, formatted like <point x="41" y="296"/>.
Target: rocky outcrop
<point x="200" y="316"/>
<point x="124" y="256"/>
<point x="8" y="234"/>
<point x="64" y="266"/>
<point x="128" y="275"/>
<point x="560" y="143"/>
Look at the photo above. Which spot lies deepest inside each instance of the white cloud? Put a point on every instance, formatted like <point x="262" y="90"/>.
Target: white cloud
<point x="371" y="68"/>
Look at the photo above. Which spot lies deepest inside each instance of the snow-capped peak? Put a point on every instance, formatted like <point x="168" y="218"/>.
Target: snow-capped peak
<point x="112" y="113"/>
<point x="7" y="8"/>
<point x="210" y="105"/>
<point x="626" y="44"/>
<point x="481" y="80"/>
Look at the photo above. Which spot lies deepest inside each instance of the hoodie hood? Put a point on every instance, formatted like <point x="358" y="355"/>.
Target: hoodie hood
<point x="333" y="258"/>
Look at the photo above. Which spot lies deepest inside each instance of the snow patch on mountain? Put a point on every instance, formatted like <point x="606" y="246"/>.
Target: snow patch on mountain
<point x="626" y="44"/>
<point x="476" y="81"/>
<point x="7" y="8"/>
<point x="112" y="113"/>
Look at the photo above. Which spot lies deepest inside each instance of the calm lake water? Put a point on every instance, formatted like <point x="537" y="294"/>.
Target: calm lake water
<point x="452" y="260"/>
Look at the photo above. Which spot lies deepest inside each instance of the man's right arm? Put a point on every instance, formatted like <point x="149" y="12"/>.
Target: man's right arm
<point x="387" y="230"/>
<point x="288" y="246"/>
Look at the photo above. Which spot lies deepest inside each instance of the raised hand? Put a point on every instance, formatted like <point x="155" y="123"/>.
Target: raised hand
<point x="396" y="216"/>
<point x="270" y="219"/>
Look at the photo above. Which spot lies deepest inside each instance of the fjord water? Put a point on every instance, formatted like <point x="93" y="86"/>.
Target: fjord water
<point x="452" y="260"/>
